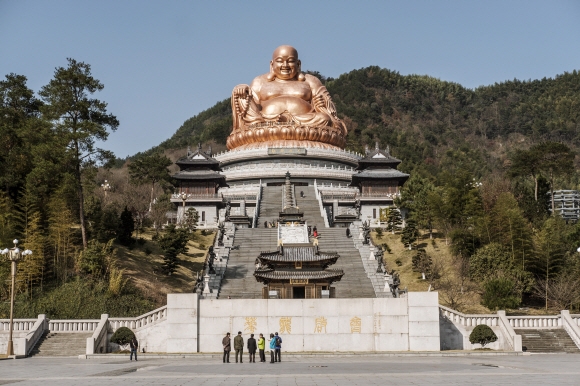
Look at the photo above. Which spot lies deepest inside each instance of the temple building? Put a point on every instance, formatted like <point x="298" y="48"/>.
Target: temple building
<point x="287" y="182"/>
<point x="297" y="273"/>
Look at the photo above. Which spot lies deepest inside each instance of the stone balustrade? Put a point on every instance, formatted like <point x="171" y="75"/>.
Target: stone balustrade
<point x="139" y="321"/>
<point x="297" y="172"/>
<point x="196" y="196"/>
<point x="457" y="317"/>
<point x="235" y="155"/>
<point x="19" y="324"/>
<point x="529" y="321"/>
<point x="576" y="319"/>
<point x="73" y="325"/>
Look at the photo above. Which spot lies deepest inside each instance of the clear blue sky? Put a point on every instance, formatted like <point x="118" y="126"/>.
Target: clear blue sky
<point x="164" y="61"/>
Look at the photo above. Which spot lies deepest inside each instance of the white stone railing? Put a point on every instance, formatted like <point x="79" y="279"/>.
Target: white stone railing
<point x="35" y="333"/>
<point x="19" y="324"/>
<point x="140" y="321"/>
<point x="457" y="317"/>
<point x="241" y="196"/>
<point x="536" y="322"/>
<point x="338" y="196"/>
<point x="514" y="340"/>
<point x="391" y="196"/>
<point x="575" y="319"/>
<point x="73" y="325"/>
<point x="234" y="155"/>
<point x="193" y="196"/>
<point x="571" y="326"/>
<point x="296" y="173"/>
<point x="99" y="338"/>
<point x="320" y="205"/>
<point x="257" y="211"/>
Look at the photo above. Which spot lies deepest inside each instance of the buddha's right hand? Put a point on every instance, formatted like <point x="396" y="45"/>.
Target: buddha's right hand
<point x="242" y="91"/>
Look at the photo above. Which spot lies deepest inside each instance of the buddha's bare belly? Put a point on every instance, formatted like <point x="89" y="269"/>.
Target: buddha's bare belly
<point x="278" y="105"/>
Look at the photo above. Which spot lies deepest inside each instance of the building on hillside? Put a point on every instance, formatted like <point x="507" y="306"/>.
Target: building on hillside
<point x="567" y="204"/>
<point x="378" y="182"/>
<point x="199" y="180"/>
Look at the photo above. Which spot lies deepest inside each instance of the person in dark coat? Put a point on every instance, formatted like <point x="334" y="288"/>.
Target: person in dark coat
<point x="252" y="348"/>
<point x="134" y="348"/>
<point x="227" y="343"/>
<point x="239" y="347"/>
<point x="277" y="352"/>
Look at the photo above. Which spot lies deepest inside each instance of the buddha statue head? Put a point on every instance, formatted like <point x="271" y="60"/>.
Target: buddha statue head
<point x="285" y="64"/>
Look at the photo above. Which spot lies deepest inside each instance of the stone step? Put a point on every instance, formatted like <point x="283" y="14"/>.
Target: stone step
<point x="547" y="340"/>
<point x="61" y="344"/>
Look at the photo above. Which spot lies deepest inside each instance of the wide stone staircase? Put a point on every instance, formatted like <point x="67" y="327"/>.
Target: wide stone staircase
<point x="309" y="205"/>
<point x="238" y="281"/>
<point x="61" y="345"/>
<point x="270" y="205"/>
<point x="547" y="341"/>
<point x="355" y="283"/>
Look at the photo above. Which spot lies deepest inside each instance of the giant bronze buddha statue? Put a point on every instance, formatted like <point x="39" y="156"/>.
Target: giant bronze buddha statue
<point x="285" y="108"/>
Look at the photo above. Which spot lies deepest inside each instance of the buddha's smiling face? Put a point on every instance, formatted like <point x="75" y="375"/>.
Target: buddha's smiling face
<point x="285" y="64"/>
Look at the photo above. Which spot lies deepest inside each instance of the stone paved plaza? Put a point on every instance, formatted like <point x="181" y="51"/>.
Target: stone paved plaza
<point x="360" y="370"/>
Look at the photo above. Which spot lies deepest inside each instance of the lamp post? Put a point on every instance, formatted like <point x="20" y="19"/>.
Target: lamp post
<point x="183" y="197"/>
<point x="106" y="187"/>
<point x="14" y="255"/>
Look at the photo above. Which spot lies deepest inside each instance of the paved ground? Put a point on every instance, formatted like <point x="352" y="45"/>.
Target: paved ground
<point x="512" y="370"/>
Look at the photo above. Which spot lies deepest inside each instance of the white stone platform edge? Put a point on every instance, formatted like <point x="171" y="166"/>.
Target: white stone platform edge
<point x="450" y="353"/>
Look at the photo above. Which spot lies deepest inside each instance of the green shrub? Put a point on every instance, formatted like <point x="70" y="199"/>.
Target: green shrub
<point x="386" y="247"/>
<point x="398" y="262"/>
<point x="148" y="251"/>
<point x="499" y="294"/>
<point x="379" y="233"/>
<point x="483" y="335"/>
<point x="122" y="336"/>
<point x="141" y="241"/>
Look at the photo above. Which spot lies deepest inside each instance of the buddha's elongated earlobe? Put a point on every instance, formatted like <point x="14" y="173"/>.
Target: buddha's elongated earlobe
<point x="301" y="76"/>
<point x="271" y="76"/>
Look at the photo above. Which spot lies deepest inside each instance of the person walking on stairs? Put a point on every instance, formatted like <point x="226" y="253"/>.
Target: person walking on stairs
<point x="252" y="348"/>
<point x="239" y="347"/>
<point x="227" y="343"/>
<point x="272" y="347"/>
<point x="134" y="348"/>
<point x="262" y="347"/>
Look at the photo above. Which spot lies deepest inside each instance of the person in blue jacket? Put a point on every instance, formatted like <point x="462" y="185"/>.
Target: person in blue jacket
<point x="277" y="352"/>
<point x="272" y="347"/>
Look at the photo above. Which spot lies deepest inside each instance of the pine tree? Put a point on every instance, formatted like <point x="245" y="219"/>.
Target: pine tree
<point x="410" y="233"/>
<point x="394" y="220"/>
<point x="126" y="227"/>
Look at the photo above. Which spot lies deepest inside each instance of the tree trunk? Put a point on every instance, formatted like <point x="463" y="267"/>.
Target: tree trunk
<point x="552" y="193"/>
<point x="536" y="187"/>
<point x="81" y="198"/>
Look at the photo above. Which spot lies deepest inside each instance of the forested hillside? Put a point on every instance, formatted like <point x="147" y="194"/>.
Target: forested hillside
<point x="421" y="118"/>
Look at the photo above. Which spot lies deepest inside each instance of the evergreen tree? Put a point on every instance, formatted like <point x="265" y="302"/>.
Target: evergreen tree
<point x="172" y="243"/>
<point x="422" y="262"/>
<point x="191" y="218"/>
<point x="150" y="169"/>
<point x="126" y="227"/>
<point x="394" y="220"/>
<point x="79" y="121"/>
<point x="410" y="233"/>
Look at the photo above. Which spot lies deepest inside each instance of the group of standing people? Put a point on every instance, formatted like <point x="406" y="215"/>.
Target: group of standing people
<point x="275" y="346"/>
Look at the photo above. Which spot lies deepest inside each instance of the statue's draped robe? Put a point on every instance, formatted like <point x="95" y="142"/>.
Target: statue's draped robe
<point x="246" y="112"/>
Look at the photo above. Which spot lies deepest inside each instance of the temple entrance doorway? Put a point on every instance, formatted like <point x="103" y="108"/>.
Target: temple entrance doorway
<point x="298" y="292"/>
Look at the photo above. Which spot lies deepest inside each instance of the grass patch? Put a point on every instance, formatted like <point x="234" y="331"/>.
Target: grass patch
<point x="142" y="266"/>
